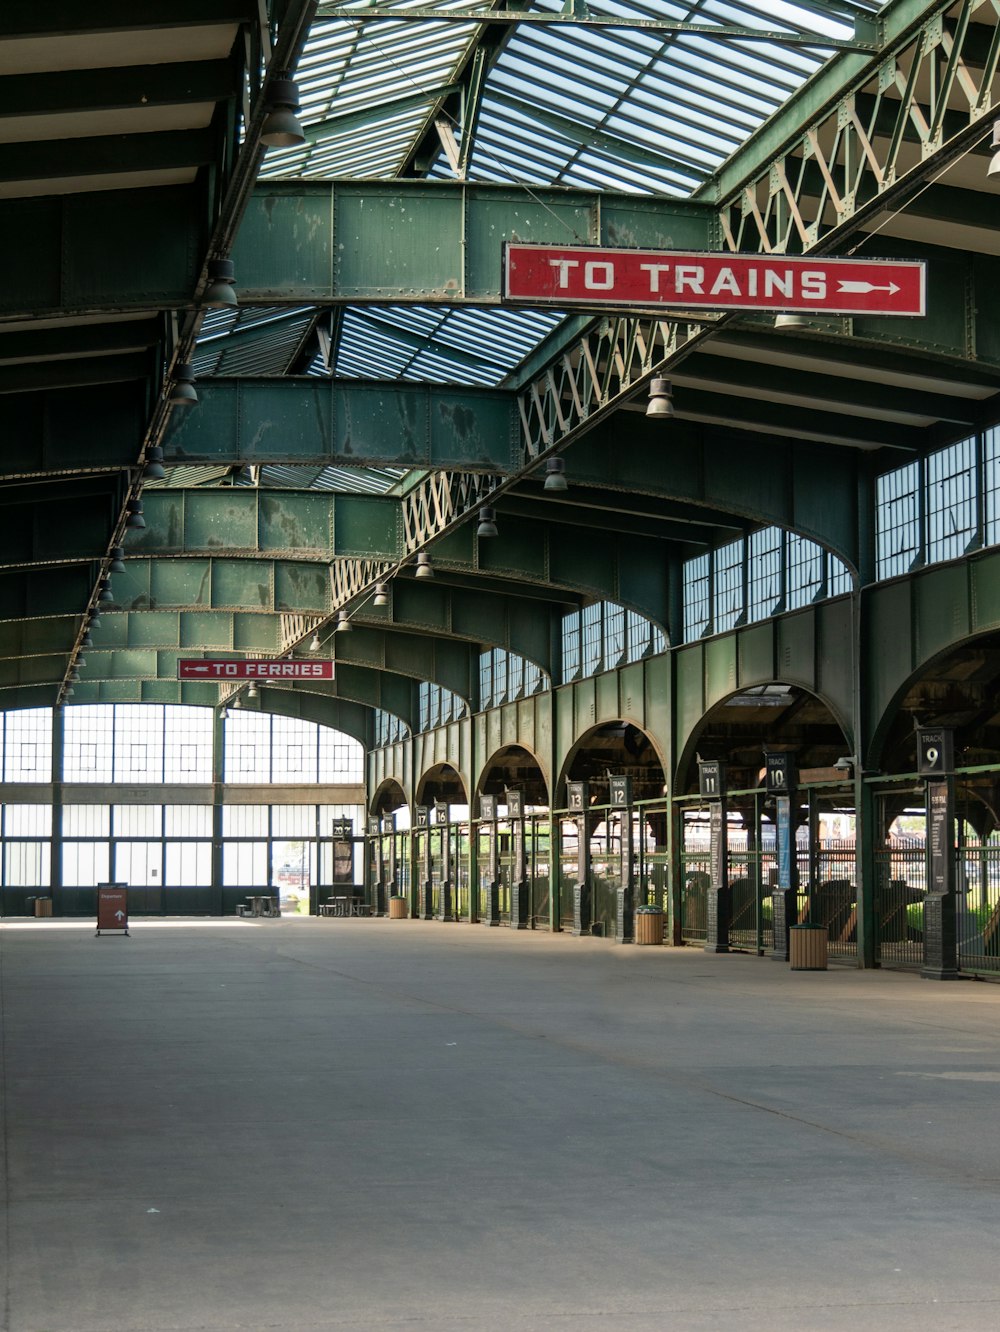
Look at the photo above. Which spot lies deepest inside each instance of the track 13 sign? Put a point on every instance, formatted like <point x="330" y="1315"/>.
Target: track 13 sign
<point x="578" y="275"/>
<point x="205" y="668"/>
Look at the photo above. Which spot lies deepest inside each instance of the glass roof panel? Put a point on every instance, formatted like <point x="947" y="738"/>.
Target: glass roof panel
<point x="436" y="344"/>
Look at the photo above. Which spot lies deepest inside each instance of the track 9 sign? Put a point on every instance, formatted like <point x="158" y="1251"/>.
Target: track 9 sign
<point x="935" y="751"/>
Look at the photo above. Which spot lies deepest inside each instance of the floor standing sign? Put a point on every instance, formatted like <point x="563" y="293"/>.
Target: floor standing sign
<point x="112" y="907"/>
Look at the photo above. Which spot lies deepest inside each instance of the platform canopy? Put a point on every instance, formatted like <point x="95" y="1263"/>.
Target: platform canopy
<point x="364" y="389"/>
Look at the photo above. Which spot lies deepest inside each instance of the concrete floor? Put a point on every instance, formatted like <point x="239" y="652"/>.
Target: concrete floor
<point x="372" y="1124"/>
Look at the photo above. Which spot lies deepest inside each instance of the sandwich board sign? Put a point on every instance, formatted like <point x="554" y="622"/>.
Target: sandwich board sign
<point x="112" y="907"/>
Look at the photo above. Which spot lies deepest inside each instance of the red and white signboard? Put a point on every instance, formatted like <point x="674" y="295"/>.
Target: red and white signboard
<point x="112" y="907"/>
<point x="579" y="275"/>
<point x="207" y="668"/>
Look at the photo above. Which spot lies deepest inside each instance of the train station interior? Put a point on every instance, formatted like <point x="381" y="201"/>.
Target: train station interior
<point x="391" y="597"/>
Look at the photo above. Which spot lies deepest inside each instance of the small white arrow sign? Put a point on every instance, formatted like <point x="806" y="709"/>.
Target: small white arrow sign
<point x="119" y="915"/>
<point x="862" y="287"/>
<point x="202" y="669"/>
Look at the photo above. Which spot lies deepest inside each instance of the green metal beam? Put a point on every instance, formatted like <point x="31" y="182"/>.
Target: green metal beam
<point x="399" y="241"/>
<point x="349" y="423"/>
<point x="132" y="87"/>
<point x="109" y="250"/>
<point x="453" y="665"/>
<point x="43" y="376"/>
<point x="56" y="528"/>
<point x="73" y="430"/>
<point x="580" y="16"/>
<point x="65" y="17"/>
<point x="46" y="344"/>
<point x="313" y="525"/>
<point x="112" y="154"/>
<point x="809" y="488"/>
<point x="530" y="628"/>
<point x="356" y="684"/>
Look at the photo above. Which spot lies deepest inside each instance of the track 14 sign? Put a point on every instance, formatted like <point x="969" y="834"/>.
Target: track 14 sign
<point x="578" y="275"/>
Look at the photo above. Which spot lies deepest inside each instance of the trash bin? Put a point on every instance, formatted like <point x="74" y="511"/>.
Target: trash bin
<point x="649" y="925"/>
<point x="398" y="910"/>
<point x="43" y="906"/>
<point x="807" y="947"/>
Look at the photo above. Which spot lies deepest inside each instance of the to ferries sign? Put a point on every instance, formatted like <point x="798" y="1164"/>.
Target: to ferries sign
<point x="207" y="668"/>
<point x="579" y="275"/>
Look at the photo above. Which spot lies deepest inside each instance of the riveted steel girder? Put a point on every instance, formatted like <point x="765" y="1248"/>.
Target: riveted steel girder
<point x="357" y="684"/>
<point x="299" y="524"/>
<point x="398" y="241"/>
<point x="361" y="656"/>
<point x="116" y="250"/>
<point x="811" y="489"/>
<point x="349" y="423"/>
<point x="531" y="628"/>
<point x="72" y="430"/>
<point x="918" y="619"/>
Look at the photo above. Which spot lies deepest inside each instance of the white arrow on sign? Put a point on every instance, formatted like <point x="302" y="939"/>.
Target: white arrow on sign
<point x="202" y="669"/>
<point x="119" y="915"/>
<point x="845" y="285"/>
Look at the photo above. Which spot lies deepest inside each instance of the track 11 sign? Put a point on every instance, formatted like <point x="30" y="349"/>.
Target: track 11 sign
<point x="205" y="668"/>
<point x="576" y="275"/>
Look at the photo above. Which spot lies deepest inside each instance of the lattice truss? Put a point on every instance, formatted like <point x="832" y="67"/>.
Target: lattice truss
<point x="883" y="141"/>
<point x="926" y="100"/>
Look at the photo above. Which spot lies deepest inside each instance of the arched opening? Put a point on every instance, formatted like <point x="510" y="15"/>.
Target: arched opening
<point x="803" y="842"/>
<point x="441" y="842"/>
<point x="512" y="842"/>
<point x="612" y="834"/>
<point x="959" y="692"/>
<point x="388" y="868"/>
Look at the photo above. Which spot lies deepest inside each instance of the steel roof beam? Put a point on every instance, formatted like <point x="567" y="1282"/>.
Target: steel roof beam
<point x="64" y="17"/>
<point x="133" y="87"/>
<point x="863" y="40"/>
<point x="346" y="422"/>
<point x="423" y="241"/>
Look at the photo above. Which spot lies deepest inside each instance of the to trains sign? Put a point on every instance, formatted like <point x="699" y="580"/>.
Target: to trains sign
<point x="207" y="668"/>
<point x="577" y="275"/>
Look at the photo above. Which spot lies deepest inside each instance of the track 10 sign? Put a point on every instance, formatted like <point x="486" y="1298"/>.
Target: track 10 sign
<point x="576" y="275"/>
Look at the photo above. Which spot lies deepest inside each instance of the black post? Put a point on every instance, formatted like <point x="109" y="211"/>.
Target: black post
<point x="621" y="804"/>
<point x="940" y="925"/>
<point x="488" y="811"/>
<point x="519" y="906"/>
<point x="712" y="783"/>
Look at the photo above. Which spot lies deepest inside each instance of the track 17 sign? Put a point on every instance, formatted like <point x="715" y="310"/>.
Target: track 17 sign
<point x="591" y="276"/>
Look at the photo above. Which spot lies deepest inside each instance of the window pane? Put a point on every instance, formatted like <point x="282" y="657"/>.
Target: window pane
<point x="896" y="519"/>
<point x="244" y="821"/>
<point x="27" y="753"/>
<point x="27" y="820"/>
<point x="188" y="865"/>
<point x="137" y="820"/>
<point x="187" y="744"/>
<point x="86" y="820"/>
<point x="88" y="749"/>
<point x="293" y="821"/>
<point x="951" y="500"/>
<point x="188" y="820"/>
<point x="697" y="596"/>
<point x="764" y="583"/>
<point x="85" y="864"/>
<point x="244" y="865"/>
<point x="27" y="864"/>
<point x="728" y="585"/>
<point x="139" y="864"/>
<point x="803" y="571"/>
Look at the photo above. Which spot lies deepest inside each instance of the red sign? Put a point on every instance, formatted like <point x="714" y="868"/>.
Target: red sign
<point x="206" y="668"/>
<point x="577" y="275"/>
<point x="112" y="907"/>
